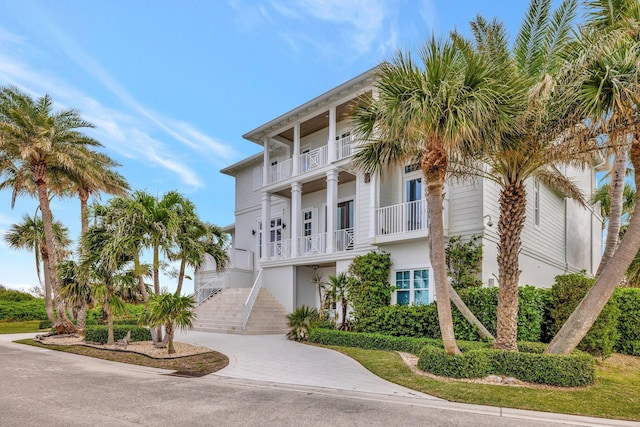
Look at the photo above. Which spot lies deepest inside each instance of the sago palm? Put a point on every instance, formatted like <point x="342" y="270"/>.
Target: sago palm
<point x="423" y="112"/>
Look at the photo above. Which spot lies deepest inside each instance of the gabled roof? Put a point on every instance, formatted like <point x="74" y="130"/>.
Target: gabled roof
<point x="351" y="86"/>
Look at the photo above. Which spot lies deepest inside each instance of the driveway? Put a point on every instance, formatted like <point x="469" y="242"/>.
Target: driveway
<point x="275" y="359"/>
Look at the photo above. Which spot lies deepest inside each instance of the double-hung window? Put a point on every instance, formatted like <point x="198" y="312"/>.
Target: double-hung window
<point x="412" y="287"/>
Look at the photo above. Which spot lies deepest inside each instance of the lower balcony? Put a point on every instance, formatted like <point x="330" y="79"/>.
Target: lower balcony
<point x="315" y="244"/>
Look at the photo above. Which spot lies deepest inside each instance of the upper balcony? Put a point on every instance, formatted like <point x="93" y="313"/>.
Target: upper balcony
<point x="312" y="159"/>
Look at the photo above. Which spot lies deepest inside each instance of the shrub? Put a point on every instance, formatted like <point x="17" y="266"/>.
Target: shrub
<point x="369" y="286"/>
<point x="14" y="295"/>
<point x="99" y="334"/>
<point x="464" y="262"/>
<point x="45" y="324"/>
<point x="23" y="310"/>
<point x="422" y="321"/>
<point x="471" y="364"/>
<point x="300" y="321"/>
<point x="381" y="341"/>
<point x="628" y="302"/>
<point x="574" y="370"/>
<point x="566" y="293"/>
<point x="128" y="321"/>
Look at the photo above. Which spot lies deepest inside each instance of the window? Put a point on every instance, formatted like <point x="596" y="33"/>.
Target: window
<point x="536" y="203"/>
<point x="412" y="287"/>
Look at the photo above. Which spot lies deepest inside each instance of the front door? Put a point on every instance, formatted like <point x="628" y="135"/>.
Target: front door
<point x="275" y="238"/>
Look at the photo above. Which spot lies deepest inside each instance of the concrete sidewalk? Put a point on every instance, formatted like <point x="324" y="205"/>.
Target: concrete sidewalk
<point x="275" y="359"/>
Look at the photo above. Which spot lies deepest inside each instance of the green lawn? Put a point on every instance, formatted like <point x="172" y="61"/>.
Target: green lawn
<point x="19" y="327"/>
<point x="615" y="394"/>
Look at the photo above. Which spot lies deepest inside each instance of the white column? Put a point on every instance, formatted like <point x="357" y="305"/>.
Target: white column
<point x="265" y="169"/>
<point x="296" y="149"/>
<point x="332" y="208"/>
<point x="266" y="225"/>
<point x="296" y="198"/>
<point x="374" y="201"/>
<point x="332" y="135"/>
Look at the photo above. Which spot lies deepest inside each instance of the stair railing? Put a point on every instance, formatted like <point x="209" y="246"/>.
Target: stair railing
<point x="208" y="290"/>
<point x="251" y="300"/>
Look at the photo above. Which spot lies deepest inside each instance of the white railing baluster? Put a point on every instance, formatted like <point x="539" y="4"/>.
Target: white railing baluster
<point x="402" y="218"/>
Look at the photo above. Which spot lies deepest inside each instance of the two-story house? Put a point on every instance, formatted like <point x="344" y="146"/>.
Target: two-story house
<point x="302" y="208"/>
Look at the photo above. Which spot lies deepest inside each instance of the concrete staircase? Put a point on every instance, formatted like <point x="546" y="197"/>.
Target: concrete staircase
<point x="222" y="313"/>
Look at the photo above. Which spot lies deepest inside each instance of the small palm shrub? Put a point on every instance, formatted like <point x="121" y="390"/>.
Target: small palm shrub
<point x="300" y="321"/>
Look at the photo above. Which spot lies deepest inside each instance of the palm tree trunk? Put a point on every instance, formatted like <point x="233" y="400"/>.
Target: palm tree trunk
<point x="156" y="268"/>
<point x="169" y="332"/>
<point x="110" y="338"/>
<point x="62" y="325"/>
<point x="513" y="204"/>
<point x="183" y="263"/>
<point x="586" y="313"/>
<point x="434" y="167"/>
<point x="615" y="212"/>
<point x="82" y="317"/>
<point x="83" y="195"/>
<point x="468" y="314"/>
<point x="138" y="273"/>
<point x="48" y="300"/>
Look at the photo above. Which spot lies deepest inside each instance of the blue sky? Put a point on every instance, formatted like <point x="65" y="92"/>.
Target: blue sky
<point x="171" y="86"/>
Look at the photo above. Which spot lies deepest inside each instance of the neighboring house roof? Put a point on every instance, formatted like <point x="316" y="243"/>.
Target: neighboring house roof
<point x="229" y="228"/>
<point x="320" y="102"/>
<point x="242" y="164"/>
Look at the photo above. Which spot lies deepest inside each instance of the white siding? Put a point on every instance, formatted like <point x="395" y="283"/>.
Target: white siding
<point x="465" y="208"/>
<point x="363" y="209"/>
<point x="246" y="194"/>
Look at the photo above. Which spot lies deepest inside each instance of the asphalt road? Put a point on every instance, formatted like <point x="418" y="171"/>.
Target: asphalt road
<point x="45" y="387"/>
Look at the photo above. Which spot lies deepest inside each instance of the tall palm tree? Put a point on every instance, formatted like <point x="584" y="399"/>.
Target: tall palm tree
<point x="29" y="234"/>
<point x="76" y="291"/>
<point x="171" y="311"/>
<point x="610" y="94"/>
<point x="543" y="136"/>
<point x="37" y="139"/>
<point x="423" y="113"/>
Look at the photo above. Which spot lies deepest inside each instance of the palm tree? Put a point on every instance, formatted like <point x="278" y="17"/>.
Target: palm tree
<point x="338" y="293"/>
<point x="424" y="113"/>
<point x="610" y="92"/>
<point x="543" y="137"/>
<point x="29" y="234"/>
<point x="171" y="311"/>
<point x="37" y="139"/>
<point x="76" y="291"/>
<point x="195" y="241"/>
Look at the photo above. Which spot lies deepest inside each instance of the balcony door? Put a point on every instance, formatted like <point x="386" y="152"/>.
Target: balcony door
<point x="276" y="249"/>
<point x="344" y="227"/>
<point x="414" y="204"/>
<point x="311" y="240"/>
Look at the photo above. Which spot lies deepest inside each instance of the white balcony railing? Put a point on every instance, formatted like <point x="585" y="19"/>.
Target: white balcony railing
<point x="279" y="249"/>
<point x="402" y="218"/>
<point x="345" y="147"/>
<point x="280" y="171"/>
<point x="313" y="159"/>
<point x="312" y="245"/>
<point x="345" y="239"/>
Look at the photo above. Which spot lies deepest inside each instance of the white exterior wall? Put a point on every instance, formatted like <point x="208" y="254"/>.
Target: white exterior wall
<point x="465" y="208"/>
<point x="281" y="282"/>
<point x="247" y="196"/>
<point x="410" y="255"/>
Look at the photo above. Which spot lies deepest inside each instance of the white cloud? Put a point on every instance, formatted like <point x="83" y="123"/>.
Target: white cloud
<point x="116" y="129"/>
<point x="428" y="13"/>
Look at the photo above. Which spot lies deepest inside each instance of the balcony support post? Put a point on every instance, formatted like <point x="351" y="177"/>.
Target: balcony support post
<point x="266" y="225"/>
<point x="296" y="150"/>
<point x="266" y="165"/>
<point x="332" y="208"/>
<point x="296" y="198"/>
<point x="331" y="144"/>
<point x="374" y="199"/>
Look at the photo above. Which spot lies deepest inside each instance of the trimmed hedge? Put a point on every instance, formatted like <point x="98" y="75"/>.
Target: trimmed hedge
<point x="23" y="310"/>
<point x="471" y="364"/>
<point x="14" y="295"/>
<point x="477" y="360"/>
<point x="628" y="302"/>
<point x="422" y="320"/>
<point x="566" y="293"/>
<point x="100" y="334"/>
